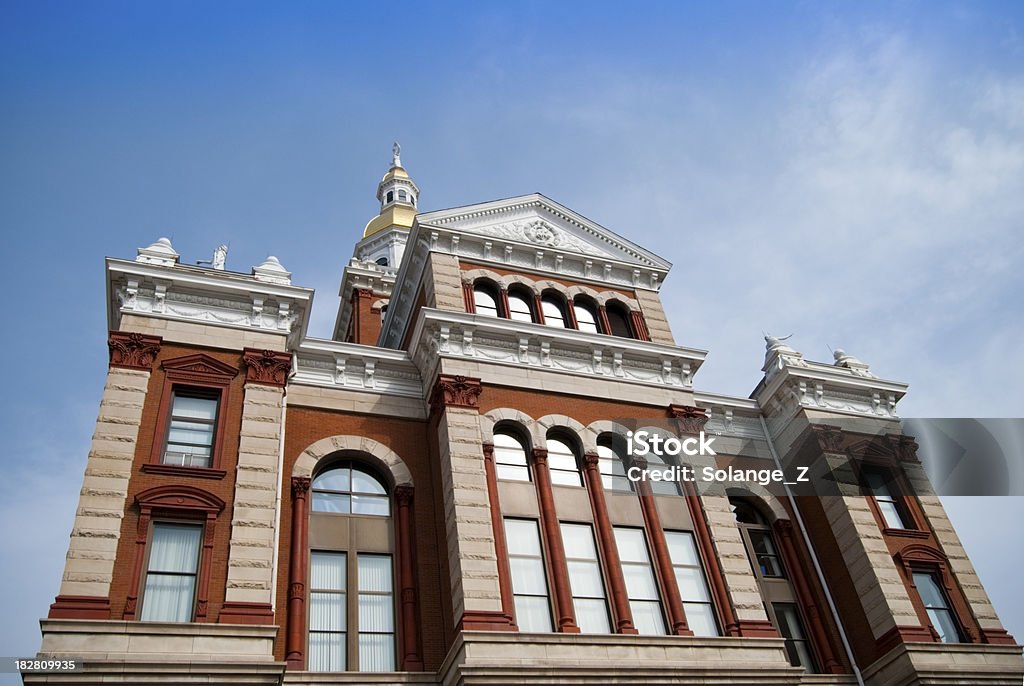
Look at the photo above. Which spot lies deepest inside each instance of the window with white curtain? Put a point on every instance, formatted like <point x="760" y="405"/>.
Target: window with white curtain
<point x="693" y="585"/>
<point x="170" y="589"/>
<point x="192" y="430"/>
<point x="641" y="586"/>
<point x="562" y="464"/>
<point x="554" y="315"/>
<point x="588" y="594"/>
<point x="376" y="614"/>
<point x="510" y="458"/>
<point x="936" y="604"/>
<point x="328" y="612"/>
<point x="519" y="307"/>
<point x="586" y="318"/>
<point x="529" y="579"/>
<point x="485" y="301"/>
<point x="613" y="470"/>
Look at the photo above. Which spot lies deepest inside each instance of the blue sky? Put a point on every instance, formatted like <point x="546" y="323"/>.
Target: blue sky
<point x="847" y="172"/>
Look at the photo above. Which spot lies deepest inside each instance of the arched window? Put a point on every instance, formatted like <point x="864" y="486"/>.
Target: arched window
<point x="553" y="309"/>
<point x="382" y="261"/>
<point x="658" y="462"/>
<point x="779" y="597"/>
<point x="519" y="306"/>
<point x="390" y="196"/>
<point x="348" y="489"/>
<point x="618" y="319"/>
<point x="562" y="463"/>
<point x="485" y="299"/>
<point x="586" y="316"/>
<point x="510" y="457"/>
<point x="383" y="312"/>
<point x="351" y="573"/>
<point x="612" y="467"/>
<point x="402" y="196"/>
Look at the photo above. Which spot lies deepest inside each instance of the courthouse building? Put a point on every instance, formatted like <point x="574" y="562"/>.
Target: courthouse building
<point x="437" y="493"/>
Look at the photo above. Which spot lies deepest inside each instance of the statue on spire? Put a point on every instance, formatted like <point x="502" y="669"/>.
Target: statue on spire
<point x="396" y="152"/>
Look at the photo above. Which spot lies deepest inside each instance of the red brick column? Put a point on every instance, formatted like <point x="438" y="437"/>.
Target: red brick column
<point x="498" y="530"/>
<point x="553" y="538"/>
<point x="609" y="551"/>
<point x="411" y="660"/>
<point x="295" y="645"/>
<point x="467" y="297"/>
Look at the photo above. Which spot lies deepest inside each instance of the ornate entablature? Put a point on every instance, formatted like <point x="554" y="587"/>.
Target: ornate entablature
<point x="264" y="300"/>
<point x="525" y="345"/>
<point x="530" y="233"/>
<point x="332" y="364"/>
<point x="360" y="274"/>
<point x="846" y="387"/>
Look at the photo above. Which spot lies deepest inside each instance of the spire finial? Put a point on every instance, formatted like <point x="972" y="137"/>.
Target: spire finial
<point x="396" y="152"/>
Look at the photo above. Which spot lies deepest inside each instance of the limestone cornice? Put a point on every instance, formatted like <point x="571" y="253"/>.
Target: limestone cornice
<point x="365" y="275"/>
<point x="332" y="364"/>
<point x="489" y="340"/>
<point x="206" y="296"/>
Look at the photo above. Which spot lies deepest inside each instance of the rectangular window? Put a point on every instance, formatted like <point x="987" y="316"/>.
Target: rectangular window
<point x="529" y="578"/>
<point x="376" y="614"/>
<point x="937" y="606"/>
<point x="328" y="614"/>
<point x="877" y="481"/>
<point x="767" y="556"/>
<point x="170" y="589"/>
<point x="588" y="595"/>
<point x="641" y="587"/>
<point x="797" y="647"/>
<point x="693" y="585"/>
<point x="193" y="427"/>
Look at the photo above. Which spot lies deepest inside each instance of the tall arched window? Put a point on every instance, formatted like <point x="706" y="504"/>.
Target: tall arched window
<point x="613" y="467"/>
<point x="510" y="457"/>
<point x="586" y="316"/>
<point x="618" y="320"/>
<point x="779" y="597"/>
<point x="485" y="299"/>
<point x="562" y="463"/>
<point x="554" y="310"/>
<point x="351" y="572"/>
<point x="519" y="306"/>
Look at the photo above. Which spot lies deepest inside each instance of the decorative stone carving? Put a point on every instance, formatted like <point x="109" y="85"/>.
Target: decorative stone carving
<point x="691" y="419"/>
<point x="456" y="391"/>
<point x="830" y="438"/>
<point x="266" y="366"/>
<point x="300" y="486"/>
<point x="133" y="350"/>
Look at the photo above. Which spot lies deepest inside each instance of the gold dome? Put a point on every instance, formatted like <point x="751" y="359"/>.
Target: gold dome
<point x="395" y="215"/>
<point x="395" y="173"/>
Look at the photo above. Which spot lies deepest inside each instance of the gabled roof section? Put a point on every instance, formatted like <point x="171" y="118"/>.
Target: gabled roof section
<point x="539" y="221"/>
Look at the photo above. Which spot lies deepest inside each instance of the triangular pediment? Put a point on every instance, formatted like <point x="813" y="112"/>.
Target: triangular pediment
<point x="200" y="364"/>
<point x="538" y="221"/>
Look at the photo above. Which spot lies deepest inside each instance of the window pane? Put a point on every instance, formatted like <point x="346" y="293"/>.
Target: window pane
<point x="630" y="543"/>
<point x="194" y="408"/>
<point x="168" y="598"/>
<point x="553" y="315"/>
<point x="375" y="573"/>
<point x="327" y="652"/>
<point x="522" y="537"/>
<point x="364" y="483"/>
<point x="640" y="582"/>
<point x="519" y="309"/>
<point x="175" y="548"/>
<point x="376" y="652"/>
<point x="592" y="615"/>
<point x="578" y="541"/>
<point x="691" y="584"/>
<point x="565" y="478"/>
<point x="647" y="617"/>
<point x="336" y="479"/>
<point x="585" y="578"/>
<point x="376" y="613"/>
<point x="619" y="323"/>
<point x="371" y="505"/>
<point x="585" y="319"/>
<point x="485" y="302"/>
<point x="331" y="502"/>
<point x="944" y="625"/>
<point x="700" y="618"/>
<point x="327" y="611"/>
<point x="891" y="514"/>
<point x="533" y="614"/>
<point x="528" y="576"/>
<point x="512" y="473"/>
<point x="191" y="433"/>
<point x="327" y="571"/>
<point x="682" y="549"/>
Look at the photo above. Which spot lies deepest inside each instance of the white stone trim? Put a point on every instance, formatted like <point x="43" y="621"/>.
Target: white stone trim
<point x="386" y="459"/>
<point x="505" y="414"/>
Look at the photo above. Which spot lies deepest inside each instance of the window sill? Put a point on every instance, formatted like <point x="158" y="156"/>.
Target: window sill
<point x="178" y="470"/>
<point x="906" y="533"/>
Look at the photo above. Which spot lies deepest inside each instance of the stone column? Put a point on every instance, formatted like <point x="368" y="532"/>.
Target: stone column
<point x="561" y="591"/>
<point x="609" y="550"/>
<point x="295" y="641"/>
<point x="472" y="559"/>
<point x="250" y="583"/>
<point x="85" y="586"/>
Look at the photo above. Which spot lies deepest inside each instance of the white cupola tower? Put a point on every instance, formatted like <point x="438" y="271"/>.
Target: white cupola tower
<point x="385" y="235"/>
